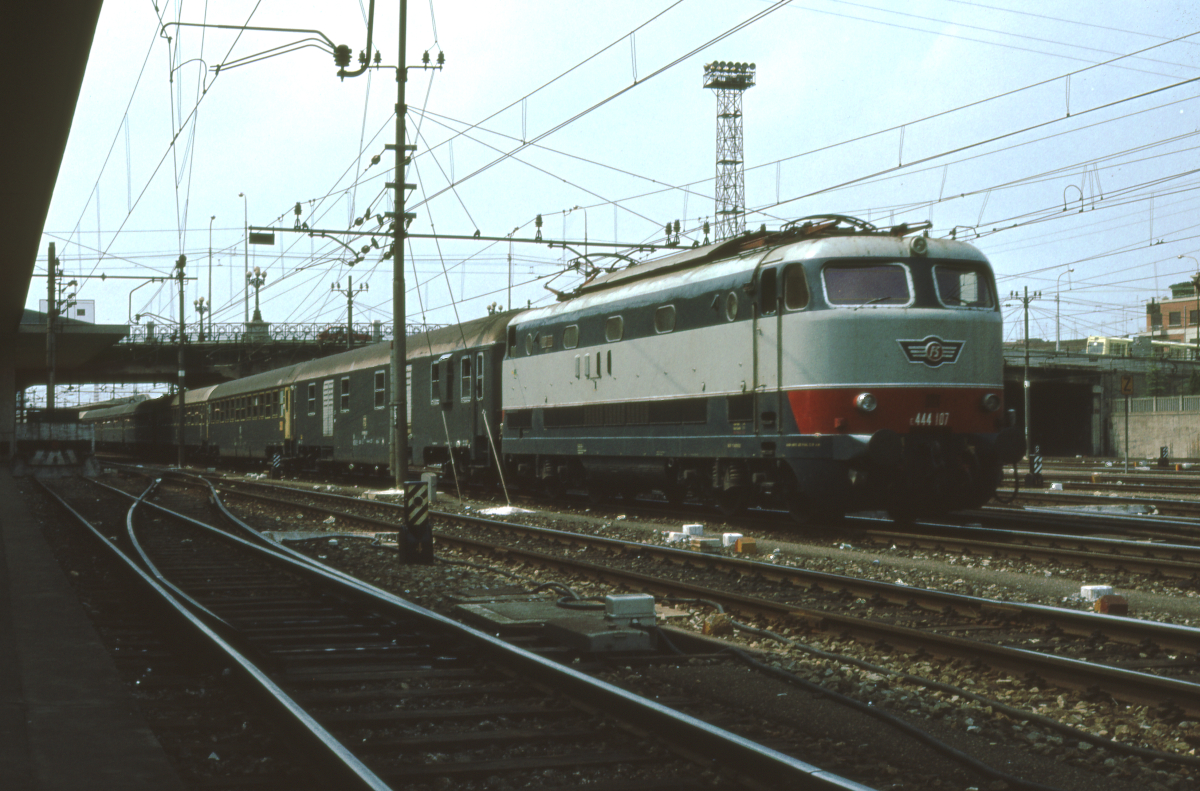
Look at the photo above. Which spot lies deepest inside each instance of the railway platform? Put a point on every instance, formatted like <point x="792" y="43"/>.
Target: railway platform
<point x="67" y="721"/>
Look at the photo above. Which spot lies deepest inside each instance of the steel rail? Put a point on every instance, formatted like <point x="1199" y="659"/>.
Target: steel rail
<point x="748" y="759"/>
<point x="1126" y="685"/>
<point x="1130" y="631"/>
<point x="1043" y="546"/>
<point x="343" y="768"/>
<point x="1133" y="686"/>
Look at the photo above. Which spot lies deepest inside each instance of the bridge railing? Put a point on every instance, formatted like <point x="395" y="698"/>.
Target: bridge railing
<point x="239" y="333"/>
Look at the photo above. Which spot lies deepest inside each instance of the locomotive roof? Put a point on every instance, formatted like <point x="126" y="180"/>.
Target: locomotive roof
<point x="744" y="253"/>
<point x="821" y="227"/>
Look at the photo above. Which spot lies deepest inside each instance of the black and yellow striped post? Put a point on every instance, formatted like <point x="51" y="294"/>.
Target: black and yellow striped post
<point x="416" y="542"/>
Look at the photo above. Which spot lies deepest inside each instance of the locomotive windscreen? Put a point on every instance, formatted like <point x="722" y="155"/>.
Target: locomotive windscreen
<point x="866" y="284"/>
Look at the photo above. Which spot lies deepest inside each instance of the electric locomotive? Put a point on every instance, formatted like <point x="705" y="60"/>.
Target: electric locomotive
<point x="826" y="367"/>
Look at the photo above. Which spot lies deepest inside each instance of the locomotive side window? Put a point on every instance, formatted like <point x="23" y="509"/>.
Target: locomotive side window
<point x="664" y="319"/>
<point x="731" y="306"/>
<point x="312" y="398"/>
<point x="866" y="284"/>
<point x="345" y="394"/>
<point x="529" y="343"/>
<point x="795" y="288"/>
<point x="380" y="389"/>
<point x="962" y="287"/>
<point x="571" y="336"/>
<point x="614" y="328"/>
<point x="479" y="376"/>
<point x="464" y="391"/>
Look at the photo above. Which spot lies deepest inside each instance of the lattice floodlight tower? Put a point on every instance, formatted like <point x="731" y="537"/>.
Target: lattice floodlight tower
<point x="729" y="81"/>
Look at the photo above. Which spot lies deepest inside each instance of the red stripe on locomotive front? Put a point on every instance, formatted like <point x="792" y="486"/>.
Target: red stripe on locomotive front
<point x="901" y="409"/>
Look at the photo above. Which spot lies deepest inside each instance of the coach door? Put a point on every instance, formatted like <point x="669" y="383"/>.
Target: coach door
<point x="767" y="354"/>
<point x="288" y="393"/>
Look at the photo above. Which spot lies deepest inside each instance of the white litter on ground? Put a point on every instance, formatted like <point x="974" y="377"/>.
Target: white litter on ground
<point x="504" y="510"/>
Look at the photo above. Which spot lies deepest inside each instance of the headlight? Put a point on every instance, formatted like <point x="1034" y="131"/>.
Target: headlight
<point x="990" y="402"/>
<point x="865" y="402"/>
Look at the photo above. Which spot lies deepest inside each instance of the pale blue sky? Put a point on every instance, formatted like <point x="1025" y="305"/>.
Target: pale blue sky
<point x="830" y="76"/>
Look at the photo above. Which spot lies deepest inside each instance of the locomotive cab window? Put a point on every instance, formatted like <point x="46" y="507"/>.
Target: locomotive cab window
<point x="345" y="405"/>
<point x="312" y="398"/>
<point x="962" y="287"/>
<point x="571" y="336"/>
<point x="435" y="383"/>
<point x="479" y="376"/>
<point x="664" y="319"/>
<point x="795" y="288"/>
<point x="862" y="284"/>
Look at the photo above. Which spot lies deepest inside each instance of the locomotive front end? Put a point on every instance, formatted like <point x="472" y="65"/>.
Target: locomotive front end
<point x="898" y="376"/>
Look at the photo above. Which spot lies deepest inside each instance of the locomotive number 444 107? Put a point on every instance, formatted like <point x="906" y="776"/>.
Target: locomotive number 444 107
<point x="930" y="419"/>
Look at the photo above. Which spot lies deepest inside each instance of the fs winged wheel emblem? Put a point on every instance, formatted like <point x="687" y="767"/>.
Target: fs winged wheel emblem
<point x="932" y="350"/>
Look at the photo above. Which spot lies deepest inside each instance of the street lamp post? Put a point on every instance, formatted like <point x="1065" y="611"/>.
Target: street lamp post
<point x="201" y="308"/>
<point x="246" y="290"/>
<point x="256" y="279"/>
<point x="1033" y="478"/>
<point x="1057" y="290"/>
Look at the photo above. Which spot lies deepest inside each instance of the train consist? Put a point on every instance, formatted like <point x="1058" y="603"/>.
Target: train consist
<point x="825" y="367"/>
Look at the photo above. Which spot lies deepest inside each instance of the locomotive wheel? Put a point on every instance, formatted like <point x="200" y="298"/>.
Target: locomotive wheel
<point x="731" y="502"/>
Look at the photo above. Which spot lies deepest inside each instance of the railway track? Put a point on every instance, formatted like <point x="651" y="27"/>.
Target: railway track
<point x="395" y="696"/>
<point x="1142" y="662"/>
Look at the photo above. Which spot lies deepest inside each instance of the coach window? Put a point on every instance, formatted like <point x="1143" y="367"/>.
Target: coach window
<point x="380" y="389"/>
<point x="464" y="389"/>
<point x="312" y="398"/>
<point x="479" y="376"/>
<point x="664" y="319"/>
<point x="795" y="288"/>
<point x="345" y="393"/>
<point x="962" y="287"/>
<point x="571" y="336"/>
<point x="614" y="328"/>
<point x="866" y="284"/>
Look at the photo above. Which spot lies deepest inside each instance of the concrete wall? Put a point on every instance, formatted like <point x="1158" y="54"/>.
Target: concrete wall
<point x="1173" y="422"/>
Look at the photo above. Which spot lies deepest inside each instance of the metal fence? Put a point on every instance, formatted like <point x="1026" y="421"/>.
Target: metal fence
<point x="330" y="334"/>
<point x="1190" y="403"/>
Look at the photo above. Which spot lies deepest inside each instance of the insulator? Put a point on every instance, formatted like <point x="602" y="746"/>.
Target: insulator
<point x="341" y="55"/>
